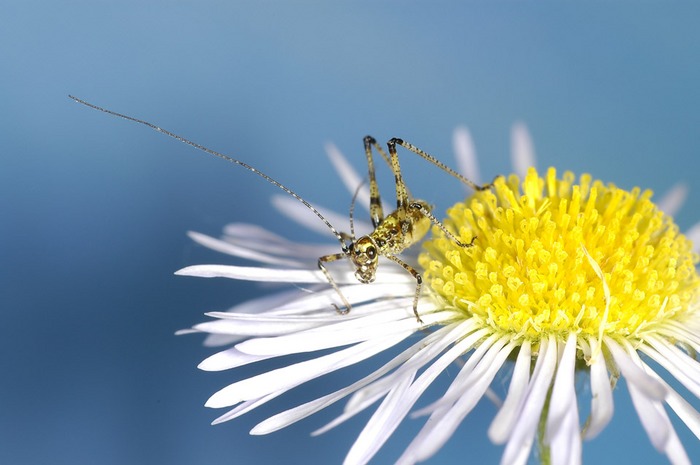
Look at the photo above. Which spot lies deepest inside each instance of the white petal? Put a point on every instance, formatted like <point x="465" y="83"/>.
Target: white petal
<point x="263" y="274"/>
<point x="249" y="273"/>
<point x="218" y="340"/>
<point x="467" y="162"/>
<point x="652" y="416"/>
<point x="258" y="325"/>
<point x="298" y="373"/>
<point x="364" y="298"/>
<point x="683" y="368"/>
<point x="293" y="209"/>
<point x="258" y="238"/>
<point x="563" y="392"/>
<point x="432" y="346"/>
<point x="227" y="359"/>
<point x="317" y="304"/>
<point x="504" y="421"/>
<point x="237" y="329"/>
<point x="248" y="231"/>
<point x="672" y="201"/>
<point x="602" y="406"/>
<point x="239" y="251"/>
<point x="383" y="423"/>
<point x="675" y="451"/>
<point x="351" y="179"/>
<point x="682" y="332"/>
<point x="694" y="235"/>
<point x="288" y="417"/>
<point x="347" y="331"/>
<point x="246" y="407"/>
<point x="495" y="399"/>
<point x="685" y="411"/>
<point x="445" y="337"/>
<point x="566" y="441"/>
<point x="467" y="374"/>
<point x="182" y="332"/>
<point x="522" y="150"/>
<point x="267" y="302"/>
<point x="373" y="435"/>
<point x="356" y="294"/>
<point x="357" y="408"/>
<point x="562" y="429"/>
<point x="520" y="442"/>
<point x="633" y="373"/>
<point x="443" y="423"/>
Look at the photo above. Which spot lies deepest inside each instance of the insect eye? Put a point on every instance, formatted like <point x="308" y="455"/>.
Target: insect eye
<point x="371" y="252"/>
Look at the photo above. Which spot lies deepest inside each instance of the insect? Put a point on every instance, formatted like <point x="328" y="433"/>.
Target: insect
<point x="392" y="234"/>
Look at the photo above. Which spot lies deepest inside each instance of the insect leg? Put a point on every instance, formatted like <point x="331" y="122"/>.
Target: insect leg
<point x="331" y="281"/>
<point x="416" y="276"/>
<point x="439" y="164"/>
<point x="401" y="191"/>
<point x="442" y="227"/>
<point x="375" y="201"/>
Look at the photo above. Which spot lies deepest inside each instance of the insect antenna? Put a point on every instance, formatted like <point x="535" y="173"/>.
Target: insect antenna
<point x="267" y="178"/>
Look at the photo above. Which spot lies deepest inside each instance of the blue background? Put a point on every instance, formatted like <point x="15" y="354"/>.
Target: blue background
<point x="95" y="210"/>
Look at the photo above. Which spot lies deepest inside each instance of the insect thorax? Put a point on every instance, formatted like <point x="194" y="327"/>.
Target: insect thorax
<point x="401" y="229"/>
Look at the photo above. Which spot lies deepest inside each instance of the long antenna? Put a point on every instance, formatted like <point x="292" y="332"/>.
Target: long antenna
<point x="220" y="155"/>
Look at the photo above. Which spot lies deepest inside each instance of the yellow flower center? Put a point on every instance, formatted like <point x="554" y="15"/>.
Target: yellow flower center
<point x="552" y="256"/>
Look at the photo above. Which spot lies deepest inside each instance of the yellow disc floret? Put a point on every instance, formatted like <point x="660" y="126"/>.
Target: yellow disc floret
<point x="548" y="250"/>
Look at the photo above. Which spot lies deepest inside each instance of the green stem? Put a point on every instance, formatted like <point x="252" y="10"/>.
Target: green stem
<point x="543" y="450"/>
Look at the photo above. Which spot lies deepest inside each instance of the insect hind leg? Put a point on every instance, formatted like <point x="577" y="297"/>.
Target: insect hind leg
<point x="375" y="201"/>
<point x="419" y="283"/>
<point x="442" y="227"/>
<point x="408" y="146"/>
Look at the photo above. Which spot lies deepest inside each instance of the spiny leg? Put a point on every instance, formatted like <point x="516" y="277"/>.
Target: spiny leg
<point x="401" y="191"/>
<point x="331" y="281"/>
<point x="375" y="201"/>
<point x="439" y="164"/>
<point x="383" y="153"/>
<point x="442" y="227"/>
<point x="388" y="161"/>
<point x="419" y="282"/>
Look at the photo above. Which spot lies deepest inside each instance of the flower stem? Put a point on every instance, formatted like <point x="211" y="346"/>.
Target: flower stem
<point x="543" y="449"/>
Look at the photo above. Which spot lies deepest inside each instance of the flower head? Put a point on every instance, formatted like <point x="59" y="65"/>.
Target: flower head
<point x="566" y="275"/>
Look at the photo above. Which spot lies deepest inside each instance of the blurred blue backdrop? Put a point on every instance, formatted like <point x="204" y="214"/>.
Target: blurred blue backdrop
<point x="95" y="210"/>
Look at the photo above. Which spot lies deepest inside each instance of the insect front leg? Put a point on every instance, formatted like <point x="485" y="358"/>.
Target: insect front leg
<point x="427" y="213"/>
<point x="419" y="282"/>
<point x="331" y="281"/>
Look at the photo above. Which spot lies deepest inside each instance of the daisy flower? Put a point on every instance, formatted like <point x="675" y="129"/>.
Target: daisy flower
<point x="568" y="275"/>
